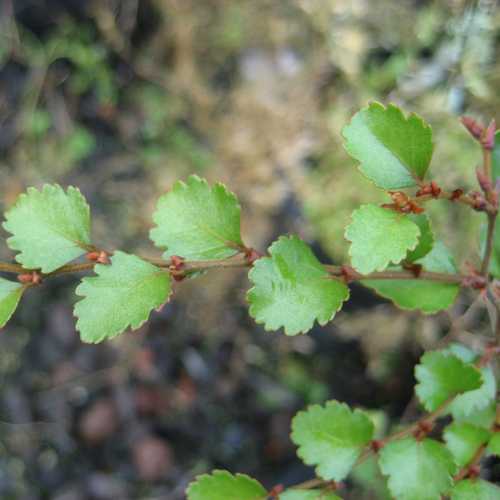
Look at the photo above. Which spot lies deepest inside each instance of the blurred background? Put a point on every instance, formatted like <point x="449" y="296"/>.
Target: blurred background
<point x="122" y="98"/>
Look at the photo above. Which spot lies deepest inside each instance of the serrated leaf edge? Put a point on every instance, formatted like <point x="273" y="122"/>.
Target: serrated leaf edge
<point x="346" y="409"/>
<point x="251" y="293"/>
<point x="217" y="473"/>
<point x="20" y="289"/>
<point x="446" y="354"/>
<point x="407" y="118"/>
<point x="132" y="327"/>
<point x="180" y="186"/>
<point x="389" y="476"/>
<point x="381" y="268"/>
<point x="434" y="240"/>
<point x="45" y="189"/>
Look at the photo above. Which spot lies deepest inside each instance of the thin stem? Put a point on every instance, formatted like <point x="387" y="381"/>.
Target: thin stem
<point x="485" y="264"/>
<point x="396" y="275"/>
<point x="465" y="470"/>
<point x="240" y="260"/>
<point x="487" y="162"/>
<point x="310" y="484"/>
<point x="464" y="199"/>
<point x="71" y="268"/>
<point x="429" y="418"/>
<point x="6" y="267"/>
<point x="492" y="215"/>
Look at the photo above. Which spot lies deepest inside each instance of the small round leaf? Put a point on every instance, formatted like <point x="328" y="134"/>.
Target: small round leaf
<point x="394" y="151"/>
<point x="442" y="376"/>
<point x="417" y="470"/>
<point x="378" y="237"/>
<point x="197" y="222"/>
<point x="331" y="437"/>
<point x="121" y="295"/>
<point x="292" y="289"/>
<point x="49" y="227"/>
<point x="221" y="485"/>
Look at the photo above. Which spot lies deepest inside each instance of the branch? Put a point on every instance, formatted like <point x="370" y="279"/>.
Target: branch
<point x="484" y="178"/>
<point x="353" y="275"/>
<point x="485" y="264"/>
<point x="7" y="267"/>
<point x="455" y="196"/>
<point x="240" y="260"/>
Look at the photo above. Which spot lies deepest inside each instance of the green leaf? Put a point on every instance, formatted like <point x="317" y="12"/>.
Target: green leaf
<point x="331" y="437"/>
<point x="378" y="237"/>
<point x="221" y="485"/>
<point x="442" y="376"/>
<point x="478" y="399"/>
<point x="307" y="495"/>
<point x="394" y="151"/>
<point x="463" y="440"/>
<point x="197" y="222"/>
<point x="481" y="418"/>
<point x="292" y="289"/>
<point x="426" y="239"/>
<point x="417" y="470"/>
<point x="475" y="489"/>
<point x="123" y="294"/>
<point x="494" y="444"/>
<point x="10" y="294"/>
<point x="425" y="295"/>
<point x="49" y="227"/>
